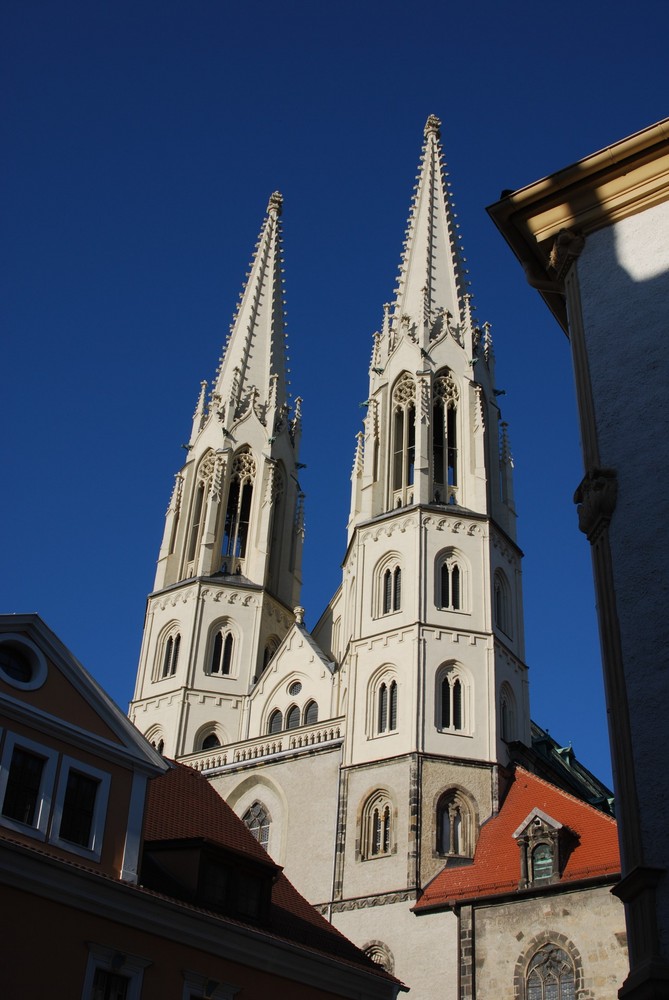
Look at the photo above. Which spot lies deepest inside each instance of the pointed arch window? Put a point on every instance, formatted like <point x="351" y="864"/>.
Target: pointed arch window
<point x="452" y="582"/>
<point x="293" y="717"/>
<point x="502" y="604"/>
<point x="257" y="819"/>
<point x="456" y="825"/>
<point x="387" y="707"/>
<point x="453" y="699"/>
<point x="310" y="714"/>
<point x="445" y="438"/>
<point x="196" y="522"/>
<point x="392" y="590"/>
<point x="403" y="440"/>
<point x="507" y="714"/>
<point x="221" y="652"/>
<point x="550" y="975"/>
<point x="275" y="722"/>
<point x="171" y="655"/>
<point x="238" y="510"/>
<point x="210" y="742"/>
<point x="376" y="838"/>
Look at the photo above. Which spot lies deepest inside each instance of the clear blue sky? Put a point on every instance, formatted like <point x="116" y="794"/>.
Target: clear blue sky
<point x="141" y="141"/>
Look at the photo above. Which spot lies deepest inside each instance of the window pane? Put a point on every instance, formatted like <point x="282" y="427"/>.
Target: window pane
<point x="457" y="704"/>
<point x="78" y="808"/>
<point x="383" y="708"/>
<point x="109" y="986"/>
<point x="397" y="589"/>
<point x="23" y="785"/>
<point x="293" y="718"/>
<point x="445" y="704"/>
<point x="275" y="722"/>
<point x="216" y="655"/>
<point x="227" y="654"/>
<point x="393" y="705"/>
<point x="455" y="587"/>
<point x="311" y="714"/>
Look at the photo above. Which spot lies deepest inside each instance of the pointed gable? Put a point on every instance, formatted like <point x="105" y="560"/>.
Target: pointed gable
<point x="496" y="869"/>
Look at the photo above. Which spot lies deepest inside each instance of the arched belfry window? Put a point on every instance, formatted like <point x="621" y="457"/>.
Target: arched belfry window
<point x="258" y="820"/>
<point x="170" y="654"/>
<point x="310" y="717"/>
<point x="456" y="824"/>
<point x="221" y="651"/>
<point x="376" y="834"/>
<point x="453" y="700"/>
<point x="238" y="510"/>
<point x="445" y="438"/>
<point x="507" y="714"/>
<point x="205" y="475"/>
<point x="451" y="582"/>
<point x="387" y="586"/>
<point x="275" y="722"/>
<point x="404" y="440"/>
<point x="502" y="604"/>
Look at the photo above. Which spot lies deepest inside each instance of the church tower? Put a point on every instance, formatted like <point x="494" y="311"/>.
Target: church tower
<point x="229" y="568"/>
<point x="427" y="626"/>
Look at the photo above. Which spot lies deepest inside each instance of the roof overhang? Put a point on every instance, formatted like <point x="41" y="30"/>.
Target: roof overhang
<point x="621" y="180"/>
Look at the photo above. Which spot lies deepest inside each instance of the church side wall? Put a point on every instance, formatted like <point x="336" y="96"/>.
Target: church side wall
<point x="588" y="924"/>
<point x="423" y="949"/>
<point x="301" y="796"/>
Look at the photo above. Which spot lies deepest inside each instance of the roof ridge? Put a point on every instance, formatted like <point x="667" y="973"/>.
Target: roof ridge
<point x="567" y="795"/>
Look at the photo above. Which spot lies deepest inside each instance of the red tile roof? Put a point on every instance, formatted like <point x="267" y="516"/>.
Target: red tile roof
<point x="181" y="804"/>
<point x="495" y="869"/>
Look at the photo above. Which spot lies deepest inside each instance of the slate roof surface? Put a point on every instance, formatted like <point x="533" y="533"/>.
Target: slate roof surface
<point x="495" y="869"/>
<point x="182" y="805"/>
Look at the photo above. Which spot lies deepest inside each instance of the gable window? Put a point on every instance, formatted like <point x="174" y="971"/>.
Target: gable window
<point x="221" y="653"/>
<point x="293" y="717"/>
<point x="257" y="820"/>
<point x="171" y="655"/>
<point x="26" y="785"/>
<point x="540" y="839"/>
<point x="404" y="440"/>
<point x="310" y="713"/>
<point x="550" y="975"/>
<point x="377" y="826"/>
<point x="444" y="439"/>
<point x="275" y="722"/>
<point x="80" y="808"/>
<point x="453" y="698"/>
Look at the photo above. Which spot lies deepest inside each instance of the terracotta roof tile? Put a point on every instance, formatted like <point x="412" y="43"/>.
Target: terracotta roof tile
<point x="181" y="804"/>
<point x="495" y="869"/>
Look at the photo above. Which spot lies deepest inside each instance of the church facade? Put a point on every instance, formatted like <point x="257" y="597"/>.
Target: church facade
<point x="373" y="755"/>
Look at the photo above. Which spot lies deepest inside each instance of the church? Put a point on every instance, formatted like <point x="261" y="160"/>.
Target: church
<point x="387" y="759"/>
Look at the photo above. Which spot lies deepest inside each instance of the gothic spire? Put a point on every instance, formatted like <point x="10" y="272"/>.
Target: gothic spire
<point x="431" y="275"/>
<point x="253" y="366"/>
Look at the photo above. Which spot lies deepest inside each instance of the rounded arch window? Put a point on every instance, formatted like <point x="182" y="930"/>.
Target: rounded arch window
<point x="456" y="824"/>
<point x="453" y="700"/>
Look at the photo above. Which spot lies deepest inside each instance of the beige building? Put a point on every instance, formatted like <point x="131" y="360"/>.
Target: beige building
<point x="369" y="755"/>
<point x="594" y="240"/>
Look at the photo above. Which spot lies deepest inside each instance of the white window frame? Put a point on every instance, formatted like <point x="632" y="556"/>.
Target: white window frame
<point x="112" y="960"/>
<point x="40" y="827"/>
<point x="198" y="985"/>
<point x="94" y="849"/>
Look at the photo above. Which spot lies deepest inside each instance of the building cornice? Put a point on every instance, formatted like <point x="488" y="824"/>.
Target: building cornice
<point x="619" y="181"/>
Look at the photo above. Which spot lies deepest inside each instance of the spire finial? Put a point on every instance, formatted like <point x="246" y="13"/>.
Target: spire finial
<point x="432" y="126"/>
<point x="275" y="203"/>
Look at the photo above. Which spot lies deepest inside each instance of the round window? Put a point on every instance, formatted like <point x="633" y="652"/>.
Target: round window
<point x="21" y="663"/>
<point x="294" y="688"/>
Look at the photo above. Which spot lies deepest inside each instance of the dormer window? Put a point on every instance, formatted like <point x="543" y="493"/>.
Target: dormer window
<point x="541" y="841"/>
